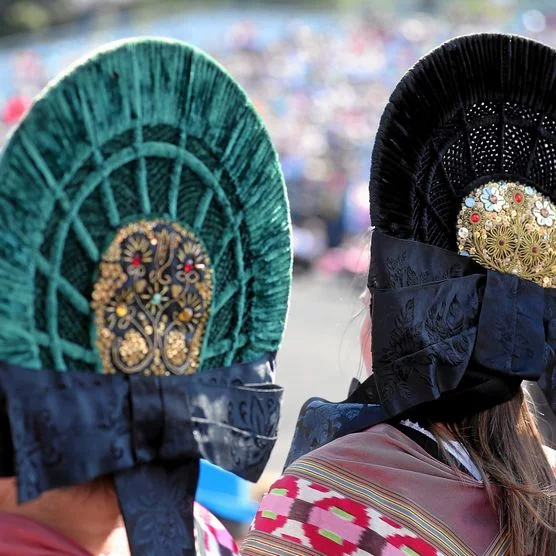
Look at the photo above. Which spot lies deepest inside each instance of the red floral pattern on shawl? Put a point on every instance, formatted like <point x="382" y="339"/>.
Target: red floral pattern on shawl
<point x="375" y="492"/>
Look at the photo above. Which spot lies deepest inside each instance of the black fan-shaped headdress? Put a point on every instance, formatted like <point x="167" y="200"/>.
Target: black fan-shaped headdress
<point x="477" y="108"/>
<point x="463" y="258"/>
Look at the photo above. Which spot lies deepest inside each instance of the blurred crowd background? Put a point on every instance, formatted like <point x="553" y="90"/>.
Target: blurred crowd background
<point x="319" y="73"/>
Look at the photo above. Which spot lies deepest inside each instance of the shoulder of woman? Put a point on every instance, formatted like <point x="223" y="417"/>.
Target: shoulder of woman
<point x="307" y="516"/>
<point x="382" y="442"/>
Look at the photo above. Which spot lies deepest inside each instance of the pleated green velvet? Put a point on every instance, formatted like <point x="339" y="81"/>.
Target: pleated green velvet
<point x="142" y="129"/>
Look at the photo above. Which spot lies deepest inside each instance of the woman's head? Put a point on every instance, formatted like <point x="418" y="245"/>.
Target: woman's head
<point x="461" y="166"/>
<point x="462" y="191"/>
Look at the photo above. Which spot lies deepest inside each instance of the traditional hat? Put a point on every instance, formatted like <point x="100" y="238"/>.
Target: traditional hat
<point x="478" y="109"/>
<point x="144" y="241"/>
<point x="463" y="265"/>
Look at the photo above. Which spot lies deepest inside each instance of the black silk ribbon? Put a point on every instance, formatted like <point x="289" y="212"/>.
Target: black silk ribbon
<point x="449" y="338"/>
<point x="61" y="429"/>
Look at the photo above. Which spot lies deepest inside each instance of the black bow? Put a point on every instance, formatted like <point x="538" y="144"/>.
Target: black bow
<point x="449" y="338"/>
<point x="69" y="428"/>
<point x="442" y="323"/>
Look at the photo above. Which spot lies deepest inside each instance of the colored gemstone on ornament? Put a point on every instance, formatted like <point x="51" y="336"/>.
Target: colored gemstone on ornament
<point x="186" y="315"/>
<point x="470" y="202"/>
<point x="518" y="198"/>
<point x="136" y="260"/>
<point x="534" y="249"/>
<point x="189" y="266"/>
<point x="475" y="218"/>
<point x="544" y="212"/>
<point x="156" y="299"/>
<point x="121" y="311"/>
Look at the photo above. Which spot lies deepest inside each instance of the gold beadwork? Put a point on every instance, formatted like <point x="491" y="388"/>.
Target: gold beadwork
<point x="121" y="311"/>
<point x="510" y="227"/>
<point x="152" y="300"/>
<point x="176" y="348"/>
<point x="133" y="349"/>
<point x="186" y="315"/>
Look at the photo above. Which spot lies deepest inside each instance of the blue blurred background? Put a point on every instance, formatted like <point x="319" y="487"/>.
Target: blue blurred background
<point x="319" y="72"/>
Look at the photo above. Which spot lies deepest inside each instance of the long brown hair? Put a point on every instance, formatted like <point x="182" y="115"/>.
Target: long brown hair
<point x="507" y="448"/>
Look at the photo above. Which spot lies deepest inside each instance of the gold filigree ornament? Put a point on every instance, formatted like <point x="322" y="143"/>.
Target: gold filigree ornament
<point x="152" y="300"/>
<point x="510" y="227"/>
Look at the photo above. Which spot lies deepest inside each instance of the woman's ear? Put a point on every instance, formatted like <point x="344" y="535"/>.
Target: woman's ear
<point x="365" y="333"/>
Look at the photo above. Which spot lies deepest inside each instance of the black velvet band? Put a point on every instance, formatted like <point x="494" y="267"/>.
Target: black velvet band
<point x="62" y="429"/>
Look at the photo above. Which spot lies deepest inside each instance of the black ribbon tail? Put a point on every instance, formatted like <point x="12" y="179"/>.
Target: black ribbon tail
<point x="156" y="501"/>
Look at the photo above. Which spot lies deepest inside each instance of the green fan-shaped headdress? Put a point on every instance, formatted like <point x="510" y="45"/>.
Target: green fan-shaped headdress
<point x="142" y="193"/>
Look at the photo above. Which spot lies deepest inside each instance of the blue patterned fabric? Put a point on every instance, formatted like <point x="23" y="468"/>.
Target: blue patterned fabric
<point x="157" y="506"/>
<point x="450" y="338"/>
<point x="70" y="428"/>
<point x="320" y="422"/>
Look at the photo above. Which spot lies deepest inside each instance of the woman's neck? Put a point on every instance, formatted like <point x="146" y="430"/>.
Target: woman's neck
<point x="88" y="515"/>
